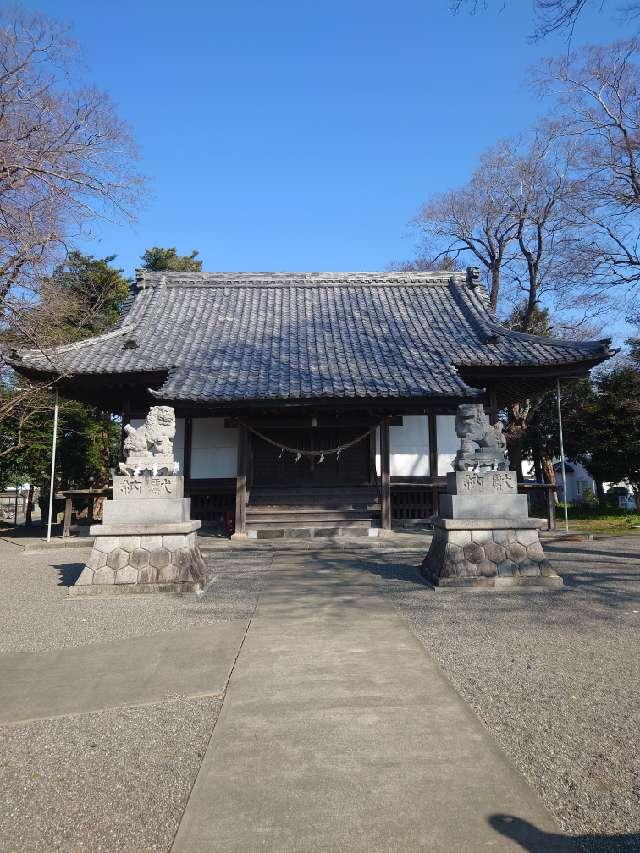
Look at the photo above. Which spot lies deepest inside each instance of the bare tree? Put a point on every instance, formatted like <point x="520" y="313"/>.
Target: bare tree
<point x="516" y="216"/>
<point x="427" y="262"/>
<point x="475" y="220"/>
<point x="65" y="157"/>
<point x="539" y="186"/>
<point x="66" y="160"/>
<point x="562" y="15"/>
<point x="597" y="96"/>
<point x="554" y="16"/>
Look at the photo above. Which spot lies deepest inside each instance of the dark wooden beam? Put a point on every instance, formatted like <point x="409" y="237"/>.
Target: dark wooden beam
<point x="373" y="409"/>
<point x="126" y="418"/>
<point x="187" y="453"/>
<point x="241" y="483"/>
<point x="384" y="472"/>
<point x="492" y="409"/>
<point x="373" y="474"/>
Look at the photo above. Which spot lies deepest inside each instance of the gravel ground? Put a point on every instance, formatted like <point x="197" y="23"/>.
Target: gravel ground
<point x="554" y="676"/>
<point x="111" y="780"/>
<point x="108" y="781"/>
<point x="35" y="613"/>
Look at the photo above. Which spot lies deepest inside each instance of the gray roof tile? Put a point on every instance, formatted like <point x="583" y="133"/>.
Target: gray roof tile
<point x="261" y="336"/>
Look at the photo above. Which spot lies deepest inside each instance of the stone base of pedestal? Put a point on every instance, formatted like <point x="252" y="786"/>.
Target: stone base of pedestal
<point x="151" y="556"/>
<point x="499" y="553"/>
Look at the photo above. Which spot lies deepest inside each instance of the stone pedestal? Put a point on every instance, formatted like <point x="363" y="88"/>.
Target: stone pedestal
<point x="147" y="539"/>
<point x="484" y="537"/>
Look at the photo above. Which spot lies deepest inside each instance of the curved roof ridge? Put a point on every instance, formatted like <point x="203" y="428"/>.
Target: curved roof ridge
<point x="78" y="345"/>
<point x="525" y="336"/>
<point x="146" y="278"/>
<point x="491" y="323"/>
<point x="123" y="326"/>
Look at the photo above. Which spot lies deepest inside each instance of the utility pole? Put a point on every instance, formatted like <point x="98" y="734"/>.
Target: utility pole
<point x="53" y="464"/>
<point x="564" y="472"/>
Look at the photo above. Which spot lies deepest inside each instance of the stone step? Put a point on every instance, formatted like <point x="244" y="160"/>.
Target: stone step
<point x="290" y="533"/>
<point x="319" y="522"/>
<point x="308" y="513"/>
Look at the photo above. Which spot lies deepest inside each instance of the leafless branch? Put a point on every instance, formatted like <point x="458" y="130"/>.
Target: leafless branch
<point x="65" y="156"/>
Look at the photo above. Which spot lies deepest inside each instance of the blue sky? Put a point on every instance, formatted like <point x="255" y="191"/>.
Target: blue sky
<point x="300" y="135"/>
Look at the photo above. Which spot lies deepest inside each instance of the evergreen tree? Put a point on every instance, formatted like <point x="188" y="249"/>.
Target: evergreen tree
<point x="94" y="292"/>
<point x="603" y="427"/>
<point x="86" y="294"/>
<point x="158" y="259"/>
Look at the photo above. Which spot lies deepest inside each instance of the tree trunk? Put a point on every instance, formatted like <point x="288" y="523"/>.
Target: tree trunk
<point x="515" y="454"/>
<point x="548" y="471"/>
<point x="495" y="286"/>
<point x="29" y="510"/>
<point x="517" y="423"/>
<point x="600" y="491"/>
<point x="98" y="505"/>
<point x="537" y="464"/>
<point x="549" y="475"/>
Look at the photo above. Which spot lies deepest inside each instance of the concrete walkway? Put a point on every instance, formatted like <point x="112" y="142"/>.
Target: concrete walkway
<point x="135" y="671"/>
<point x="338" y="733"/>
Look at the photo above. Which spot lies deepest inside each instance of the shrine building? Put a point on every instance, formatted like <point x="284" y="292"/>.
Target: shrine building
<point x="310" y="403"/>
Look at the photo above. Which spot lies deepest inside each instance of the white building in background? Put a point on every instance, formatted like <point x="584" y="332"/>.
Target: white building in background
<point x="580" y="485"/>
<point x="579" y="482"/>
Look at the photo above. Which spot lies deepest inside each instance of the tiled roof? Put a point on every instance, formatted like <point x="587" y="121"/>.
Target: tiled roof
<point x="273" y="336"/>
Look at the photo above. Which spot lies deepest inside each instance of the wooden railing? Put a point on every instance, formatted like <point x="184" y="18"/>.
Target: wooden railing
<point x="211" y="500"/>
<point x="411" y="501"/>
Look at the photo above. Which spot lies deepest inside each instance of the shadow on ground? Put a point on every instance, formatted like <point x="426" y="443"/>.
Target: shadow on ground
<point x="68" y="573"/>
<point x="598" y="584"/>
<point x="535" y="840"/>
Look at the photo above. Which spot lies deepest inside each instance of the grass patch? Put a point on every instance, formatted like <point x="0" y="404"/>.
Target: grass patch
<point x="596" y="519"/>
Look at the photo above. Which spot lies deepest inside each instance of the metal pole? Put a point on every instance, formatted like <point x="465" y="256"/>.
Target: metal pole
<point x="564" y="471"/>
<point x="53" y="464"/>
<point x="15" y="508"/>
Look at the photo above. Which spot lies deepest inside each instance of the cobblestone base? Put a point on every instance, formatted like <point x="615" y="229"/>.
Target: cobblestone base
<point x="498" y="558"/>
<point x="144" y="560"/>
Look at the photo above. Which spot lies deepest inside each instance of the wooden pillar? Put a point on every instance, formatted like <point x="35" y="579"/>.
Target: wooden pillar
<point x="492" y="410"/>
<point x="186" y="466"/>
<point x="241" y="482"/>
<point x="373" y="475"/>
<point x="385" y="478"/>
<point x="126" y="418"/>
<point x="433" y="461"/>
<point x="68" y="509"/>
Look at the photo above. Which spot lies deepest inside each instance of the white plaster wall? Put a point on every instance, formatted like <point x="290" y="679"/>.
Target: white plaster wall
<point x="214" y="449"/>
<point x="178" y="441"/>
<point x="447" y="442"/>
<point x="408" y="447"/>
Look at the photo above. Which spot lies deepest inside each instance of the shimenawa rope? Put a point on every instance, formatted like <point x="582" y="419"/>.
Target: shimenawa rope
<point x="298" y="452"/>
